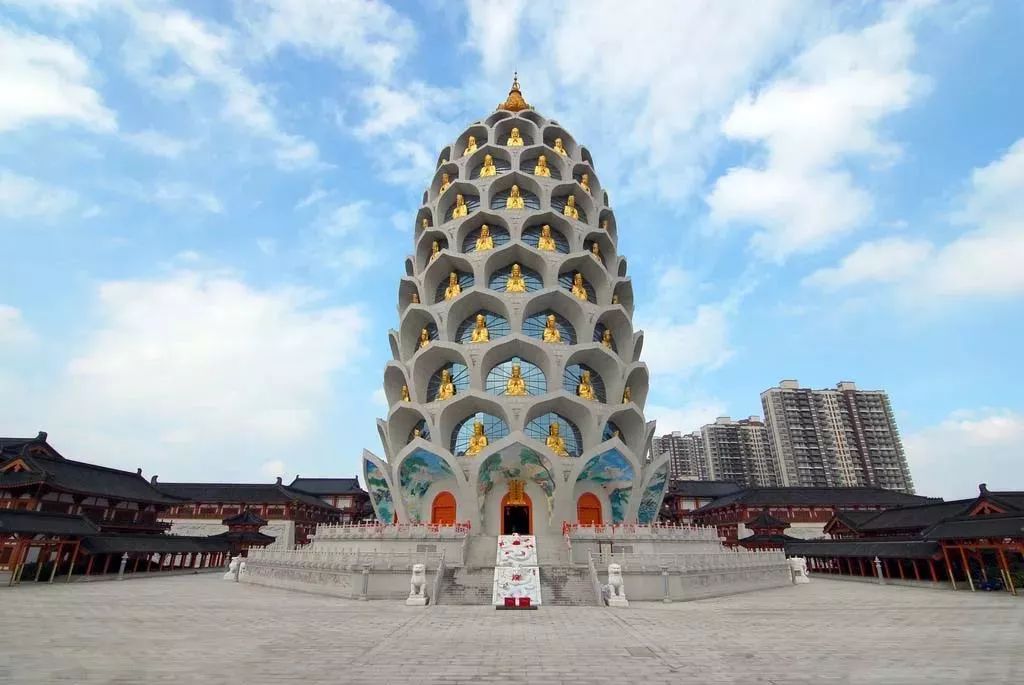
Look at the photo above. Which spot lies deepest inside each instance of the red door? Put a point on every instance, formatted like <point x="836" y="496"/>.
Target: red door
<point x="443" y="510"/>
<point x="588" y="509"/>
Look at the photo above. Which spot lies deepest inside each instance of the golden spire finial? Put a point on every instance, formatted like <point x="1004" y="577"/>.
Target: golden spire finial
<point x="515" y="102"/>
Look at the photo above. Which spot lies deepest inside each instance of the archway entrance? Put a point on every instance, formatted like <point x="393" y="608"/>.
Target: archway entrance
<point x="516" y="514"/>
<point x="442" y="511"/>
<point x="588" y="509"/>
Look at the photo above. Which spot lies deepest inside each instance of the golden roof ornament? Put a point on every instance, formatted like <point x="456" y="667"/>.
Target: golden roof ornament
<point x="515" y="102"/>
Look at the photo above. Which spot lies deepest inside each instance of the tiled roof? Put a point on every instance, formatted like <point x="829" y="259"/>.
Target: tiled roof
<point x="869" y="548"/>
<point x="993" y="526"/>
<point x="327" y="486"/>
<point x="86" y="479"/>
<point x="775" y="539"/>
<point x="914" y="518"/>
<point x="853" y="519"/>
<point x="118" y="544"/>
<point x="252" y="537"/>
<point x="824" y="497"/>
<point x="703" y="488"/>
<point x="246" y="493"/>
<point x="764" y="519"/>
<point x="44" y="523"/>
<point x="247" y="517"/>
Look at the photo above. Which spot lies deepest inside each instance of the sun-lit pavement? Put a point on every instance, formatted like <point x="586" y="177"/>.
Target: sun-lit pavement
<point x="202" y="629"/>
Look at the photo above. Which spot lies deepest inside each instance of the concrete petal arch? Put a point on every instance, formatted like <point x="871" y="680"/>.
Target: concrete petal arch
<point x="608" y="249"/>
<point x="517" y="252"/>
<point x="528" y="160"/>
<point x="517" y="459"/>
<point x="382" y="433"/>
<point x="410" y="267"/>
<point x="612" y="229"/>
<point x="474" y="222"/>
<point x="467" y="404"/>
<point x="552" y="131"/>
<point x="586" y="156"/>
<point x="584" y="202"/>
<point x="424" y="213"/>
<point x="631" y="423"/>
<point x="482" y="134"/>
<point x="615" y="320"/>
<point x="422" y="469"/>
<point x="572" y="408"/>
<point x="655" y="483"/>
<point x="424" y="246"/>
<point x="638" y="381"/>
<point x="532" y="116"/>
<point x="527" y="130"/>
<point x="430" y="359"/>
<point x="617" y="472"/>
<point x="560" y="301"/>
<point x="473" y="163"/>
<point x="470" y="193"/>
<point x="414" y="319"/>
<point x="377" y="477"/>
<point x="401" y="421"/>
<point x="527" y="184"/>
<point x="596" y="192"/>
<point x="518" y="345"/>
<point x="594" y="273"/>
<point x="452" y="169"/>
<point x="638" y="345"/>
<point x="395" y="376"/>
<point x="623" y="287"/>
<point x="605" y="362"/>
<point x="437" y="272"/>
<point x="469" y="304"/>
<point x="408" y="287"/>
<point x="393" y="343"/>
<point x="497" y="116"/>
<point x="620" y="270"/>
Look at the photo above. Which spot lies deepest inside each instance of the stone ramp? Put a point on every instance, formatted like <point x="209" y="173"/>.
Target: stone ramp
<point x="567" y="586"/>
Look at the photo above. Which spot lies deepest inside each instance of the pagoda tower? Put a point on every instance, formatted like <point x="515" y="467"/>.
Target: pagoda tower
<point x="515" y="390"/>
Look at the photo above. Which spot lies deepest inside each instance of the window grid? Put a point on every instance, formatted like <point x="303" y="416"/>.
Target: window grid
<point x="531" y="277"/>
<point x="533" y="377"/>
<point x="534" y="326"/>
<point x="573" y="373"/>
<point x="494" y="428"/>
<point x="497" y="326"/>
<point x="540" y="426"/>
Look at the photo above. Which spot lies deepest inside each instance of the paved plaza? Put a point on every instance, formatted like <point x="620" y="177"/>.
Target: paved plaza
<point x="191" y="629"/>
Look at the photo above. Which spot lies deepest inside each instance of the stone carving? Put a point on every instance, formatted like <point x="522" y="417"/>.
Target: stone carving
<point x="798" y="569"/>
<point x="515" y="582"/>
<point x="616" y="587"/>
<point x="233" y="568"/>
<point x="418" y="586"/>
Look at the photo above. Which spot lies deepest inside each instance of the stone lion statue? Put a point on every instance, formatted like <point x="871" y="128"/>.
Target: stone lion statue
<point x="232" y="572"/>
<point x="616" y="588"/>
<point x="418" y="583"/>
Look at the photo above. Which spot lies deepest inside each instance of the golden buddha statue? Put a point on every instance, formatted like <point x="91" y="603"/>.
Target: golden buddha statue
<point x="515" y="200"/>
<point x="415" y="299"/>
<point x="470" y="146"/>
<point x="435" y="250"/>
<point x="595" y="250"/>
<point x="615" y="434"/>
<point x="425" y="224"/>
<point x="578" y="289"/>
<point x="546" y="242"/>
<point x="446" y="390"/>
<point x="424" y="338"/>
<point x="416" y="432"/>
<point x="477" y="441"/>
<point x="615" y="298"/>
<point x="454" y="289"/>
<point x="606" y="338"/>
<point x="488" y="169"/>
<point x="516" y="386"/>
<point x="480" y="332"/>
<point x="627" y="395"/>
<point x="514" y="139"/>
<point x="585" y="389"/>
<point x="585" y="182"/>
<point x="460" y="209"/>
<point x="559" y="148"/>
<point x="446" y="183"/>
<point x="542" y="168"/>
<point x="485" y="241"/>
<point x="515" y="283"/>
<point x="405" y="393"/>
<point x="569" y="210"/>
<point x="555" y="442"/>
<point x="551" y="332"/>
<point x="604" y="224"/>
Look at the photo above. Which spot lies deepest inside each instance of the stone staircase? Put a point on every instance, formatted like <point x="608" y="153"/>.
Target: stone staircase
<point x="463" y="585"/>
<point x="567" y="586"/>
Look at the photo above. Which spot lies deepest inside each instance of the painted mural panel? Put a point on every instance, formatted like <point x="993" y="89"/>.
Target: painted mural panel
<point x="418" y="472"/>
<point x="653" y="495"/>
<point x="615" y="475"/>
<point x="516" y="462"/>
<point x="380" y="493"/>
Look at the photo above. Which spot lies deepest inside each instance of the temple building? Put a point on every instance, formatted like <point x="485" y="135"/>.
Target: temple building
<point x="341" y="493"/>
<point x="516" y="392"/>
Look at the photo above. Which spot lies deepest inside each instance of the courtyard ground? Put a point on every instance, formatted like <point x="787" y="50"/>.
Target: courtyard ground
<point x="201" y="629"/>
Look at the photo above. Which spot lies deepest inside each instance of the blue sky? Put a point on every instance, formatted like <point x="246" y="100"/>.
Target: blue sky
<point x="205" y="207"/>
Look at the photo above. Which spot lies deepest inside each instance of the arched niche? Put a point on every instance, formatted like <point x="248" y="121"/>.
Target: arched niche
<point x="604" y="198"/>
<point x="501" y="189"/>
<point x="561" y="230"/>
<point x="410" y="268"/>
<point x="620" y="270"/>
<point x="497" y="379"/>
<point x="555" y="162"/>
<point x="465" y="308"/>
<point x="479" y="131"/>
<point x="425" y="246"/>
<point x="497" y="231"/>
<point x="423" y="213"/>
<point x="445" y="156"/>
<point x="396" y="349"/>
<point x="429" y="362"/>
<point x="415" y="319"/>
<point x="459" y="374"/>
<point x="606" y="222"/>
<point x="534" y="325"/>
<point x="631" y="425"/>
<point x="538" y="428"/>
<point x="567" y="281"/>
<point x="527" y="131"/>
<point x="437" y="272"/>
<point x="516" y="253"/>
<point x="638" y="382"/>
<point x="595" y="192"/>
<point x="615" y="474"/>
<point x="407" y="288"/>
<point x="449" y="199"/>
<point x="475" y="162"/>
<point x="600" y="360"/>
<point x="584" y="203"/>
<point x="420" y="431"/>
<point x="537" y="119"/>
<point x="496" y="324"/>
<point x="493" y="220"/>
<point x="586" y="156"/>
<point x="394" y="379"/>
<point x="400" y="424"/>
<point x="616" y="321"/>
<point x="452" y="169"/>
<point x="520" y="348"/>
<point x="612" y="430"/>
<point x="465" y="280"/>
<point x="495" y="428"/>
<point x="497" y="116"/>
<point x="638" y="345"/>
<point x="609" y="256"/>
<point x="623" y="290"/>
<point x="553" y="131"/>
<point x="572" y="379"/>
<point x="568" y="311"/>
<point x="578" y="412"/>
<point x="498" y="280"/>
<point x="594" y="275"/>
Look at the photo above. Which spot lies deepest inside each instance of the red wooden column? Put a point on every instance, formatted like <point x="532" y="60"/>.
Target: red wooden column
<point x="88" y="568"/>
<point x="106" y="564"/>
<point x="931" y="568"/>
<point x="74" y="558"/>
<point x="899" y="565"/>
<point x="135" y="566"/>
<point x="917" y="574"/>
<point x="860" y="563"/>
<point x="1005" y="566"/>
<point x="949" y="566"/>
<point x="967" y="568"/>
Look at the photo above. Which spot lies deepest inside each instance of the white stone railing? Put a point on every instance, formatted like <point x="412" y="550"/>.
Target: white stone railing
<point x="716" y="561"/>
<point x="633" y="532"/>
<point x="329" y="560"/>
<point x="376" y="531"/>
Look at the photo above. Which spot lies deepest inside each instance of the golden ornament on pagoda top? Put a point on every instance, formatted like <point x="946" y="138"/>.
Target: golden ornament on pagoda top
<point x="515" y="102"/>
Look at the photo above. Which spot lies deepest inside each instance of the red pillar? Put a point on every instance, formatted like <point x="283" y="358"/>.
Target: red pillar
<point x="899" y="565"/>
<point x="106" y="564"/>
<point x="88" y="567"/>
<point x="917" y="574"/>
<point x="931" y="567"/>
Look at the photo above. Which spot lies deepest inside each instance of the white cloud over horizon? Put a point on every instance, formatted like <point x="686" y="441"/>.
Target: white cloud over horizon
<point x="22" y="197"/>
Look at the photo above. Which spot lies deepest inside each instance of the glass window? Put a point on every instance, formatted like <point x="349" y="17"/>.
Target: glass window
<point x="494" y="428"/>
<point x="573" y="375"/>
<point x="500" y="277"/>
<point x="531" y="236"/>
<point x="533" y="377"/>
<point x="465" y="282"/>
<point x="540" y="428"/>
<point x="566" y="281"/>
<point x="530" y="200"/>
<point x="535" y="324"/>
<point x="499" y="236"/>
<point x="497" y="326"/>
<point x="460" y="378"/>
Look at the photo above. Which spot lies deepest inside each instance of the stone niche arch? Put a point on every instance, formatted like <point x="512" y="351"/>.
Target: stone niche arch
<point x="608" y="216"/>
<point x="566" y="239"/>
<point x="424" y="245"/>
<point x="609" y="251"/>
<point x="595" y="184"/>
<point x="572" y="378"/>
<point x="567" y="281"/>
<point x="449" y="199"/>
<point x="523" y="348"/>
<point x="620" y="270"/>
<point x="579" y="412"/>
<point x="619" y="324"/>
<point x="495" y="428"/>
<point x="452" y="169"/>
<point x="400" y="424"/>
<point x="530" y="115"/>
<point x="435" y="276"/>
<point x="556" y="163"/>
<point x="475" y="162"/>
<point x="537" y="428"/>
<point x="472" y="224"/>
<point x="424" y="213"/>
<point x="599" y="360"/>
<point x="461" y="377"/>
<point x="528" y="131"/>
<point x="394" y="378"/>
<point x="638" y="382"/>
<point x="445" y="156"/>
<point x="497" y="116"/>
<point x="638" y="345"/>
<point x="496" y="380"/>
<point x="465" y="308"/>
<point x="482" y="135"/>
<point x="586" y="157"/>
<point x="408" y="287"/>
<point x="497" y="327"/>
<point x="584" y="203"/>
<point x="623" y="287"/>
<point x="594" y="274"/>
<point x="429" y="362"/>
<point x="552" y="131"/>
<point x="516" y="253"/>
<point x="499" y="238"/>
<point x="521" y="460"/>
<point x="414" y="320"/>
<point x="533" y="194"/>
<point x="631" y="426"/>
<point x="409" y="267"/>
<point x="570" y="312"/>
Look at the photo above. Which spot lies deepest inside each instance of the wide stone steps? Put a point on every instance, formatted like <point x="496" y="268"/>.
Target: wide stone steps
<point x="461" y="585"/>
<point x="567" y="586"/>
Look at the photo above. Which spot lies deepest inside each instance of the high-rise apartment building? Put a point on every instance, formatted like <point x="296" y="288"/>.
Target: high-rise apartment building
<point x="686" y="450"/>
<point x="739" y="451"/>
<point x="835" y="437"/>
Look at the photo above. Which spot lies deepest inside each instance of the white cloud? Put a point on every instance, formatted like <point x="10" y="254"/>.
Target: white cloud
<point x="156" y="143"/>
<point x="969" y="447"/>
<point x="984" y="261"/>
<point x="22" y="197"/>
<point x="184" y="195"/>
<point x="203" y="373"/>
<point x="679" y="348"/>
<point x="273" y="468"/>
<point x="313" y="198"/>
<point x="360" y="34"/>
<point x="686" y="418"/>
<point x="825" y="110"/>
<point x="43" y="79"/>
<point x="344" y="219"/>
<point x="13" y="328"/>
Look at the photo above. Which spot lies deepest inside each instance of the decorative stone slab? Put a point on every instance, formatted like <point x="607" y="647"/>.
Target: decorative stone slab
<point x="516" y="549"/>
<point x="516" y="582"/>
